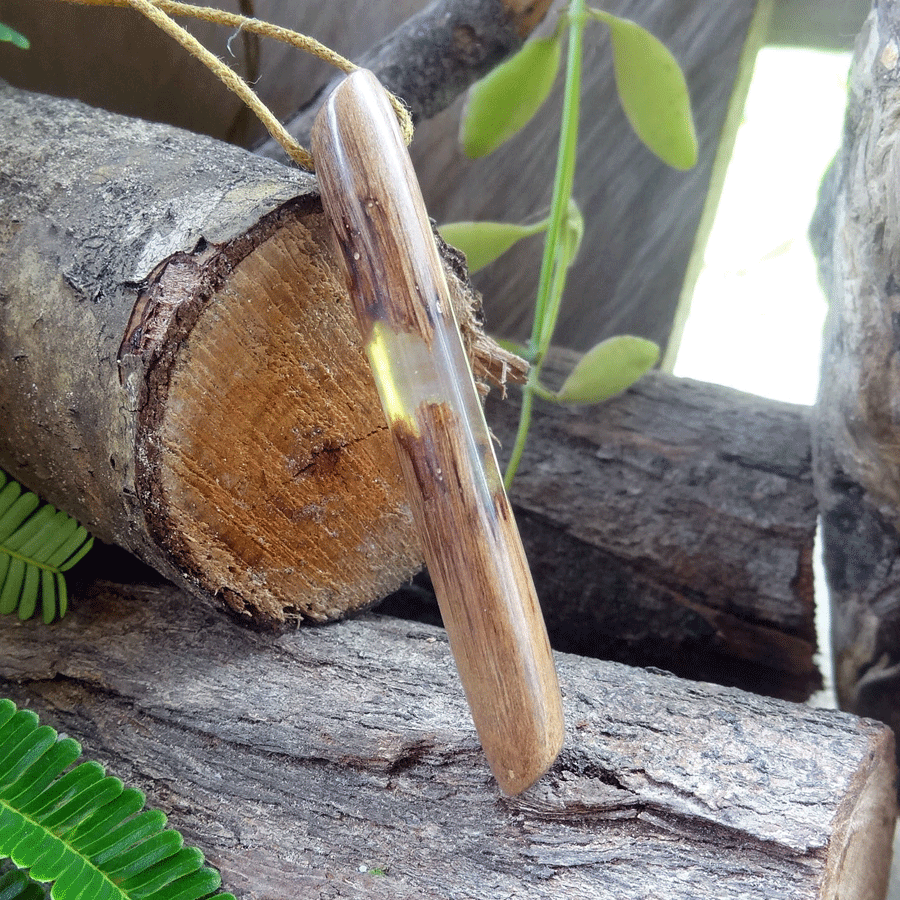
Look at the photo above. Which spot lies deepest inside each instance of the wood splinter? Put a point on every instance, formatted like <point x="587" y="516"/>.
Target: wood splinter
<point x="470" y="540"/>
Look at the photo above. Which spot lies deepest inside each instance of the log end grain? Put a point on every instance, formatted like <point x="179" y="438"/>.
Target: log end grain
<point x="863" y="829"/>
<point x="273" y="473"/>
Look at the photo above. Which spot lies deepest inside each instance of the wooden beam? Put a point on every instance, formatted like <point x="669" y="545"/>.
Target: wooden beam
<point x="305" y="765"/>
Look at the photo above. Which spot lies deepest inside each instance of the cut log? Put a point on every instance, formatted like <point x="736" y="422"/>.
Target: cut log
<point x="180" y="366"/>
<point x="310" y="764"/>
<point x="857" y="431"/>
<point x="671" y="526"/>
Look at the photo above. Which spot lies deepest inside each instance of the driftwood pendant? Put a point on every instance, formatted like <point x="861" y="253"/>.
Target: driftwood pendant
<point x="471" y="543"/>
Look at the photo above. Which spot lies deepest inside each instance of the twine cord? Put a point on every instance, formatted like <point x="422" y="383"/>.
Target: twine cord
<point x="160" y="11"/>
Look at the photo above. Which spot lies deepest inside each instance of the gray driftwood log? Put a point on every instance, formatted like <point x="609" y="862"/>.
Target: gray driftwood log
<point x="297" y="761"/>
<point x="671" y="526"/>
<point x="857" y="428"/>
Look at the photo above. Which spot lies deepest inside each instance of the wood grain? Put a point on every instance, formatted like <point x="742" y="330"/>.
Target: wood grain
<point x="371" y="196"/>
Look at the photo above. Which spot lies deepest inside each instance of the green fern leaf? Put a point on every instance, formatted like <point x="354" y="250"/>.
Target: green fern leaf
<point x="16" y="885"/>
<point x="38" y="543"/>
<point x="82" y="831"/>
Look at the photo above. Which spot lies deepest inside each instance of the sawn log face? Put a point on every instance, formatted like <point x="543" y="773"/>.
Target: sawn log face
<point x="179" y="366"/>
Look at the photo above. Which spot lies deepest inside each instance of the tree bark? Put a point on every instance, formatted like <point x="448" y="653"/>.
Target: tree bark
<point x="181" y="367"/>
<point x="671" y="526"/>
<point x="295" y="762"/>
<point x="856" y="434"/>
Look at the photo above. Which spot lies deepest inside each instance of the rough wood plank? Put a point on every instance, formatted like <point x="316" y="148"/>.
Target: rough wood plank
<point x="294" y="761"/>
<point x="856" y="435"/>
<point x="641" y="217"/>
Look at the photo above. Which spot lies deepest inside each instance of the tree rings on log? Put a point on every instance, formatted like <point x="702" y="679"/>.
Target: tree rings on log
<point x="183" y="370"/>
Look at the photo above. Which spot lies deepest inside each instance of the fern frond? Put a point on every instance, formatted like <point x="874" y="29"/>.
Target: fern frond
<point x="16" y="885"/>
<point x="38" y="544"/>
<point x="81" y="830"/>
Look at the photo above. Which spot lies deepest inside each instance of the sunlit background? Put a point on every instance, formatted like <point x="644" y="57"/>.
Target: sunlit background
<point x="756" y="317"/>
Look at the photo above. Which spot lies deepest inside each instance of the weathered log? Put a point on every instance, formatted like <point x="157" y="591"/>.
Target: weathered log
<point x="297" y="762"/>
<point x="180" y="368"/>
<point x="671" y="526"/>
<point x="857" y="429"/>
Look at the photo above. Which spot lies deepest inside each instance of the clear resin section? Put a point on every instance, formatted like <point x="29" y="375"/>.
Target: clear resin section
<point x="410" y="373"/>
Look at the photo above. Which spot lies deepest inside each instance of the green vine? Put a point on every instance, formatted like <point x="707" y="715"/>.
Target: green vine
<point x="654" y="96"/>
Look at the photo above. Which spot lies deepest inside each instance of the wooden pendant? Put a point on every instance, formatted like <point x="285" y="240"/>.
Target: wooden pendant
<point x="471" y="543"/>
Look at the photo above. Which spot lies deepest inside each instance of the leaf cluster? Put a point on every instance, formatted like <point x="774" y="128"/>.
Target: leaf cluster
<point x="38" y="545"/>
<point x="68" y="824"/>
<point x="654" y="96"/>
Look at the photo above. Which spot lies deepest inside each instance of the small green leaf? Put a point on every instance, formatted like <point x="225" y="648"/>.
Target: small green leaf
<point x="608" y="369"/>
<point x="505" y="100"/>
<point x="653" y="92"/>
<point x="483" y="242"/>
<point x="13" y="37"/>
<point x="573" y="232"/>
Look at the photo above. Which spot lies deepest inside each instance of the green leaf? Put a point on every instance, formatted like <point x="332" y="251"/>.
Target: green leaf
<point x="80" y="829"/>
<point x="483" y="242"/>
<point x="37" y="545"/>
<point x="653" y="92"/>
<point x="13" y="37"/>
<point x="608" y="369"/>
<point x="506" y="99"/>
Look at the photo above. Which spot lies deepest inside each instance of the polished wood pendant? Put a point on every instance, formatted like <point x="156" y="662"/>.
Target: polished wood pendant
<point x="472" y="547"/>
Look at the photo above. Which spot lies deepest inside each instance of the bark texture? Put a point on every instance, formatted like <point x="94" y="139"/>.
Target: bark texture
<point x="857" y="424"/>
<point x="294" y="762"/>
<point x="180" y="368"/>
<point x="671" y="526"/>
<point x="674" y="526"/>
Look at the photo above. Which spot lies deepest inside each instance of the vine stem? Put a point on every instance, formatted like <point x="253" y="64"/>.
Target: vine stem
<point x="557" y="257"/>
